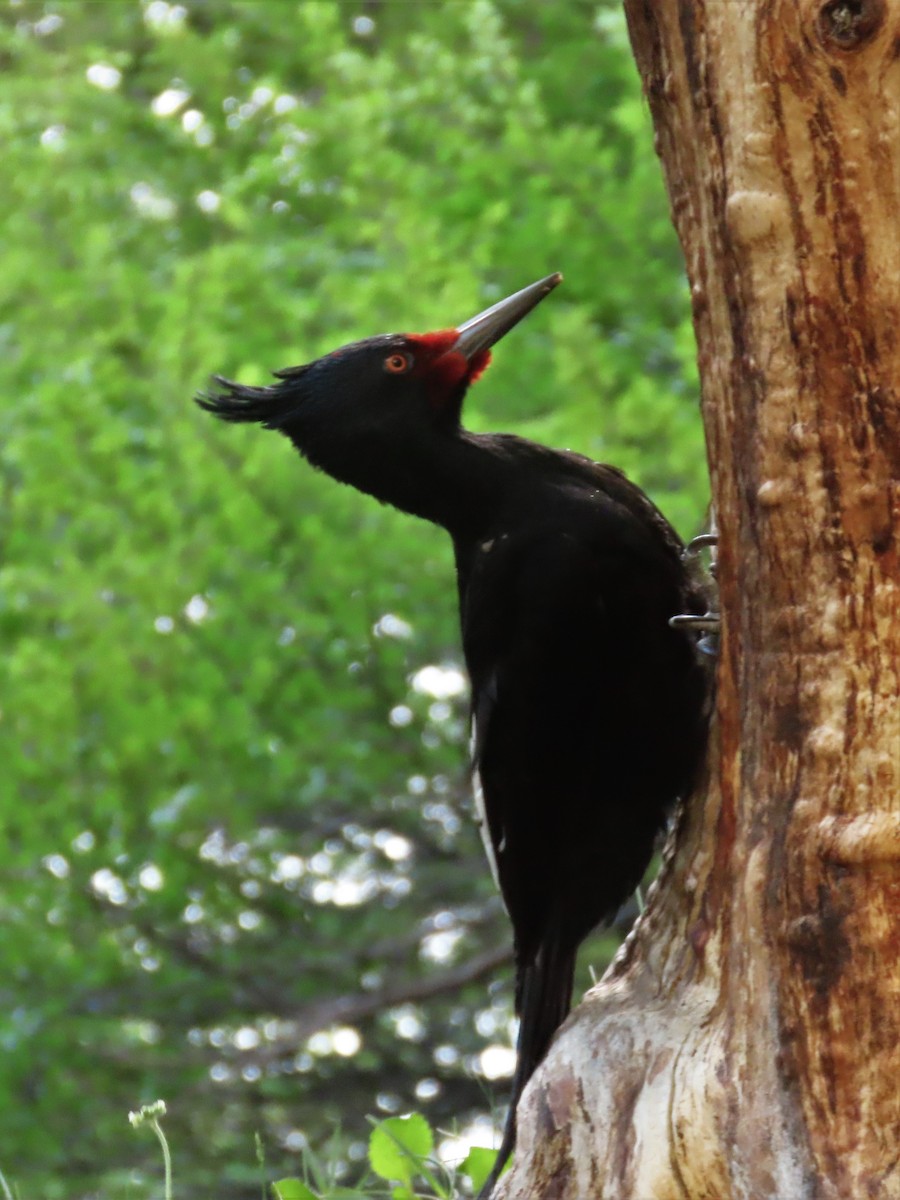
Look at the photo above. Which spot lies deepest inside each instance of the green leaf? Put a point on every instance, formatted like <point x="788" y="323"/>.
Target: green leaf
<point x="477" y="1165"/>
<point x="398" y="1145"/>
<point x="293" y="1189"/>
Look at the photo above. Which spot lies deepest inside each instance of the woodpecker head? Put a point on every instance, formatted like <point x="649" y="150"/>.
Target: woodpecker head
<point x="386" y="387"/>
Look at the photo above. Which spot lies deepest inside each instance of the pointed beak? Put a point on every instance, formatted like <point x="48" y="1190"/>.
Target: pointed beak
<point x="481" y="332"/>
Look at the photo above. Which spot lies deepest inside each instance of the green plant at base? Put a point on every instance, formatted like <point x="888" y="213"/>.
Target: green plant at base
<point x="401" y="1153"/>
<point x="149" y="1114"/>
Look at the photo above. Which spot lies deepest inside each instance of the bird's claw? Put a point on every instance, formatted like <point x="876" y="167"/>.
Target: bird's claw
<point x="708" y="623"/>
<point x="701" y="542"/>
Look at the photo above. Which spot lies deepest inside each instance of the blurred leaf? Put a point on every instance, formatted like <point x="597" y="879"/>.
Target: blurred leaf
<point x="398" y="1145"/>
<point x="477" y="1165"/>
<point x="293" y="1189"/>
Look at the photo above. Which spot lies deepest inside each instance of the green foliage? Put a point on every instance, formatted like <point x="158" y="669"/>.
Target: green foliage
<point x="150" y="1114"/>
<point x="397" y="1145"/>
<point x="232" y="730"/>
<point x="398" y="1151"/>
<point x="477" y="1165"/>
<point x="292" y="1189"/>
<point x="401" y="1154"/>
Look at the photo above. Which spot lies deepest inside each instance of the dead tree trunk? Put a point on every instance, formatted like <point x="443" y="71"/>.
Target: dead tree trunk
<point x="747" y="1042"/>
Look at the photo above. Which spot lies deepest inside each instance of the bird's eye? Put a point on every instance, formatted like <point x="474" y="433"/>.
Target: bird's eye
<point x="396" y="364"/>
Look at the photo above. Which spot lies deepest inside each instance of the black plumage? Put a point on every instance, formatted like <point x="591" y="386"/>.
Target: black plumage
<point x="588" y="708"/>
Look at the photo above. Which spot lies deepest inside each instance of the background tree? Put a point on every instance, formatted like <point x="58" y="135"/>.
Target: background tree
<point x="747" y="1044"/>
<point x="238" y="869"/>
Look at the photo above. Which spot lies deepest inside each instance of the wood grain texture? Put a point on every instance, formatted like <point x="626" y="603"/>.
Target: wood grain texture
<point x="746" y="1043"/>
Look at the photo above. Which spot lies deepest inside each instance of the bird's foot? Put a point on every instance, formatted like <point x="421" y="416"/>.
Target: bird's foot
<point x="710" y="622"/>
<point x="701" y="542"/>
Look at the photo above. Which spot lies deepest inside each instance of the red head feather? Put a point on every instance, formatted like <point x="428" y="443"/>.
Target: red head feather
<point x="442" y="367"/>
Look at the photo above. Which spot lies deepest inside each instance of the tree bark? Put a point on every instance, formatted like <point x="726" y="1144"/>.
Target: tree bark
<point x="746" y="1042"/>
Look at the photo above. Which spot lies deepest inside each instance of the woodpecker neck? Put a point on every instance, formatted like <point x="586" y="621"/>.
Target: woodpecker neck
<point x="451" y="478"/>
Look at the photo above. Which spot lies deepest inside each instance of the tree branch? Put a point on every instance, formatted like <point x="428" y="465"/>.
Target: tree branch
<point x="354" y="1007"/>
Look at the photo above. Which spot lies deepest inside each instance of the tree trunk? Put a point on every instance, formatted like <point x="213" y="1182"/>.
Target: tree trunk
<point x="746" y="1043"/>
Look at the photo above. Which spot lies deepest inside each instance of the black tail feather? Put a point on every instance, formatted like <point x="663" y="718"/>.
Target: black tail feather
<point x="238" y="402"/>
<point x="544" y="996"/>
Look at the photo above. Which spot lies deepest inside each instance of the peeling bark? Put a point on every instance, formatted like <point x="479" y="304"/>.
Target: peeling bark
<point x="746" y="1043"/>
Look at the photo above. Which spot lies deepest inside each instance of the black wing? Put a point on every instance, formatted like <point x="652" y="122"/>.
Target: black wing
<point x="587" y="714"/>
<point x="578" y="684"/>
